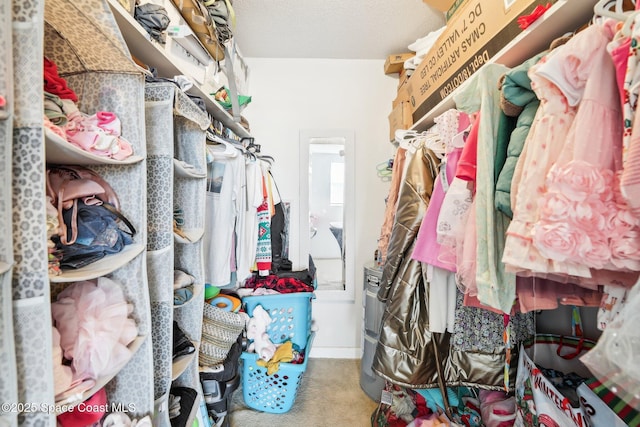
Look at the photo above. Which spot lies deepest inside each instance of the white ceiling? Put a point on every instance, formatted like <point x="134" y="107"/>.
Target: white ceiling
<point x="345" y="29"/>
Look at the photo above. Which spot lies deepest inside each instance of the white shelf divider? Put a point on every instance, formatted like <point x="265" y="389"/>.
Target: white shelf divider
<point x="102" y="267"/>
<point x="60" y="151"/>
<point x="66" y="401"/>
<point x="193" y="236"/>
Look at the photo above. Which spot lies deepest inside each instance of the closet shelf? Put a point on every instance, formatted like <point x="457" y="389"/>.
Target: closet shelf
<point x="61" y="152"/>
<point x="564" y="16"/>
<point x="192" y="236"/>
<point x="181" y="171"/>
<point x="4" y="267"/>
<point x="197" y="293"/>
<point x="151" y="53"/>
<point x="182" y="363"/>
<point x="67" y="400"/>
<point x="102" y="267"/>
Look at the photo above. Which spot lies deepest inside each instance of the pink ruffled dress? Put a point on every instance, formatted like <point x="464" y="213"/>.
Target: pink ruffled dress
<point x="583" y="218"/>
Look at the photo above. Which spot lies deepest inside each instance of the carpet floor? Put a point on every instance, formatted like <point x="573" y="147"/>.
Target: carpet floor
<point x="329" y="396"/>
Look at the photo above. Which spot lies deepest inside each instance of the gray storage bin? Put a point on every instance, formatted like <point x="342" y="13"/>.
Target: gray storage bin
<point x="370" y="382"/>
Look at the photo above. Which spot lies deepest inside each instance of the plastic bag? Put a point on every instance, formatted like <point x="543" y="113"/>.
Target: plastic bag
<point x="614" y="358"/>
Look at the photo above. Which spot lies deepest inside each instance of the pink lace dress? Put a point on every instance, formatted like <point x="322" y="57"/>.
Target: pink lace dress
<point x="583" y="218"/>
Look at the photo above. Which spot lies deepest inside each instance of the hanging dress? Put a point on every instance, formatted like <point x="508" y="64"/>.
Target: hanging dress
<point x="583" y="218"/>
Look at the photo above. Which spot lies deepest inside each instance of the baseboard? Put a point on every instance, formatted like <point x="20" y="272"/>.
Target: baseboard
<point x="336" y="353"/>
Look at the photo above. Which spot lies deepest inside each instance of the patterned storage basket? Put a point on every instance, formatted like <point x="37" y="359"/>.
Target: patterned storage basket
<point x="290" y="316"/>
<point x="272" y="393"/>
<point x="220" y="329"/>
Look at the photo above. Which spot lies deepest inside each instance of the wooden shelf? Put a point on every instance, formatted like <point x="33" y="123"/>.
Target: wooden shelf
<point x="179" y="170"/>
<point x="102" y="267"/>
<point x="193" y="236"/>
<point x="564" y="16"/>
<point x="68" y="400"/>
<point x="60" y="151"/>
<point x="151" y="53"/>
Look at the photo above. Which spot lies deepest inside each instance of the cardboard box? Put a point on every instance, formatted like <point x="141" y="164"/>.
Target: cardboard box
<point x="449" y="7"/>
<point x="453" y="9"/>
<point x="400" y="118"/>
<point x="479" y="29"/>
<point x="402" y="96"/>
<point x="441" y="5"/>
<point x="395" y="62"/>
<point x="403" y="79"/>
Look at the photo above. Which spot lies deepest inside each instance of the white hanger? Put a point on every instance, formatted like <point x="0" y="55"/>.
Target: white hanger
<point x="230" y="150"/>
<point x="602" y="9"/>
<point x="628" y="23"/>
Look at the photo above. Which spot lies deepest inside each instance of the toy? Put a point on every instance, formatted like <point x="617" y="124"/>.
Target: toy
<point x="257" y="332"/>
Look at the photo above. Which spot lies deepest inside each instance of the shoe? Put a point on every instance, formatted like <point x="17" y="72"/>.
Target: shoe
<point x="187" y="397"/>
<point x="181" y="344"/>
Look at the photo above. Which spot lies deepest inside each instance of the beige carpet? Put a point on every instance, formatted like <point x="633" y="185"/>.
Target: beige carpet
<point x="330" y="395"/>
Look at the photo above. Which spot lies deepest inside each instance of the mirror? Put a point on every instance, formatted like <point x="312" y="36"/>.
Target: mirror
<point x="326" y="210"/>
<point x="326" y="192"/>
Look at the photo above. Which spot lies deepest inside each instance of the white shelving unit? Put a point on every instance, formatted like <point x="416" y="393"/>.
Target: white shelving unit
<point x="9" y="383"/>
<point x="159" y="98"/>
<point x="563" y="16"/>
<point x="189" y="192"/>
<point x="29" y="287"/>
<point x="142" y="47"/>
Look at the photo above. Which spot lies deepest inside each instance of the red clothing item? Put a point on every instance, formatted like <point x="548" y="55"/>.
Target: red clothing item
<point x="284" y="285"/>
<point x="55" y="84"/>
<point x="466" y="169"/>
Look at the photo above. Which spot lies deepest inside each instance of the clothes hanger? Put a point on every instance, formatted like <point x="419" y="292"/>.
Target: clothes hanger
<point x="231" y="150"/>
<point x="602" y="8"/>
<point x="628" y="23"/>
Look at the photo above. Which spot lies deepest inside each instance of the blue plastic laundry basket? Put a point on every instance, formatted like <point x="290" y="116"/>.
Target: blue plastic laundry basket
<point x="272" y="393"/>
<point x="290" y="316"/>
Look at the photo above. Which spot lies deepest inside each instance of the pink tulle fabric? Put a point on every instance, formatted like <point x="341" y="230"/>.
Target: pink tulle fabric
<point x="95" y="328"/>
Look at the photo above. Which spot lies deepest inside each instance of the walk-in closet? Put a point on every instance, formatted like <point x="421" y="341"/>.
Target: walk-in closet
<point x="230" y="213"/>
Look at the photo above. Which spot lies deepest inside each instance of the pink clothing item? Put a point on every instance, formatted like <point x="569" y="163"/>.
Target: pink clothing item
<point x="98" y="134"/>
<point x="473" y="301"/>
<point x="541" y="150"/>
<point x="54" y="128"/>
<point x="468" y="159"/>
<point x="466" y="254"/>
<point x="62" y="376"/>
<point x="95" y="328"/>
<point x="542" y="294"/>
<point x="392" y="200"/>
<point x="427" y="248"/>
<point x="583" y="218"/>
<point x="619" y="51"/>
<point x="464" y="121"/>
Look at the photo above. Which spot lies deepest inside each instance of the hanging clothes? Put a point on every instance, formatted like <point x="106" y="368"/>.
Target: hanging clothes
<point x="263" y="251"/>
<point x="225" y="181"/>
<point x="496" y="287"/>
<point x="582" y="205"/>
<point x="247" y="229"/>
<point x="392" y="201"/>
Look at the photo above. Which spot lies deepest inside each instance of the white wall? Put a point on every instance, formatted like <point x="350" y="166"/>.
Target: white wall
<point x="289" y="95"/>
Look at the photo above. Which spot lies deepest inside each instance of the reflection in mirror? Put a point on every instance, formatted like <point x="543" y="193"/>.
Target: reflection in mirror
<point x="326" y="211"/>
